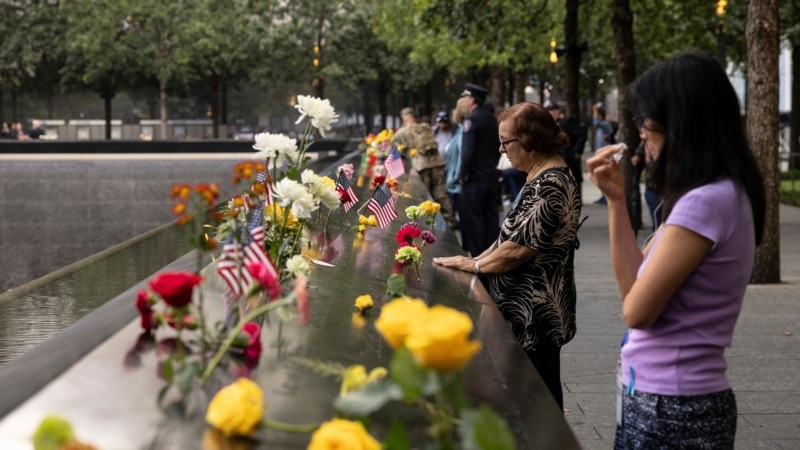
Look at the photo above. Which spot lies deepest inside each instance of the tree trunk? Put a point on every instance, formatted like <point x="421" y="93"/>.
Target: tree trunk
<point x="107" y="96"/>
<point x="215" y="105"/>
<point x="49" y="104"/>
<point x="763" y="126"/>
<point x="519" y="86"/>
<point x="14" y="105"/>
<point x="794" y="118"/>
<point x="572" y="82"/>
<point x="224" y="106"/>
<point x="164" y="111"/>
<point x="2" y="108"/>
<point x="428" y="107"/>
<point x="622" y="24"/>
<point x="383" y="104"/>
<point x="497" y="89"/>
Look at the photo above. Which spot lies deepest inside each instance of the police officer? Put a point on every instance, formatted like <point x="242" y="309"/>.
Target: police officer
<point x="427" y="161"/>
<point x="480" y="189"/>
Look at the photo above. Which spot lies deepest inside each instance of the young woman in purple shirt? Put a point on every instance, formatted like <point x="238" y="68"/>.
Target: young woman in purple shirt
<point x="683" y="293"/>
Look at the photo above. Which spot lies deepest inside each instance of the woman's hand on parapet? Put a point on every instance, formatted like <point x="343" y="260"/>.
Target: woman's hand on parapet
<point x="606" y="172"/>
<point x="464" y="263"/>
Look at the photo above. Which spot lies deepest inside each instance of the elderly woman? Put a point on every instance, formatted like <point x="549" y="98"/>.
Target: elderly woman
<point x="529" y="269"/>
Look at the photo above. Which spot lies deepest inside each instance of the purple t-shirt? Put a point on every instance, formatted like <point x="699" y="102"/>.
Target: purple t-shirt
<point x="682" y="353"/>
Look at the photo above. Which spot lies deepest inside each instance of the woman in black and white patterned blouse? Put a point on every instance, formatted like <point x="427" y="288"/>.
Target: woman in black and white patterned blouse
<point x="530" y="268"/>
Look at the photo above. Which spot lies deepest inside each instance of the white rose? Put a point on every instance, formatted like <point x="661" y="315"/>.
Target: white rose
<point x="277" y="146"/>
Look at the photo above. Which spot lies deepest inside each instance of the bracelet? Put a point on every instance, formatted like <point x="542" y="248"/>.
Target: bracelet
<point x="477" y="266"/>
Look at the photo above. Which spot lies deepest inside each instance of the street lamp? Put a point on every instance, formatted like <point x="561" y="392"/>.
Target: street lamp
<point x="553" y="62"/>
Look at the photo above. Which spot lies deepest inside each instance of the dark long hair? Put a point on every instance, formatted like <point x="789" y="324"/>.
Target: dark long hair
<point x="691" y="97"/>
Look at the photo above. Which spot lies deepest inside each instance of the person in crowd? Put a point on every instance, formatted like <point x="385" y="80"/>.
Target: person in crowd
<point x="642" y="161"/>
<point x="682" y="295"/>
<point x="453" y="159"/>
<point x="36" y="129"/>
<point x="5" y="132"/>
<point x="427" y="162"/>
<point x="530" y="267"/>
<point x="577" y="133"/>
<point x="444" y="133"/>
<point x="480" y="191"/>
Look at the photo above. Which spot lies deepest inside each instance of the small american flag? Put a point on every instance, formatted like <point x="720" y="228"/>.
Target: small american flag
<point x="382" y="206"/>
<point x="343" y="185"/>
<point x="236" y="279"/>
<point x="394" y="164"/>
<point x="254" y="248"/>
<point x="262" y="178"/>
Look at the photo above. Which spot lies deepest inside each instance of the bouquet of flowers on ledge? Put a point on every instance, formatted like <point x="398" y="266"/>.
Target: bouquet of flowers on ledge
<point x="262" y="232"/>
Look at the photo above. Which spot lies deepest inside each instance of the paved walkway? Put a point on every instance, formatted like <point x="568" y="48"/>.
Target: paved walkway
<point x="764" y="362"/>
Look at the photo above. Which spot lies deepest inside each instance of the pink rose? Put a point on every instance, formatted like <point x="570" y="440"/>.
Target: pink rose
<point x="253" y="350"/>
<point x="175" y="288"/>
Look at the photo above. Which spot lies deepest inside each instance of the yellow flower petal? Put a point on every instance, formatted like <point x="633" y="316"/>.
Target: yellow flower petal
<point x="440" y="340"/>
<point x="397" y="318"/>
<point x="237" y="409"/>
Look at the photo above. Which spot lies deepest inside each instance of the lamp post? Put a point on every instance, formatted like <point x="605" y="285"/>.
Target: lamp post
<point x="553" y="74"/>
<point x="720" y="32"/>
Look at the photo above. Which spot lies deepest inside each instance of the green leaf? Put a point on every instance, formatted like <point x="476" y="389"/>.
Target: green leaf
<point x="405" y="372"/>
<point x="396" y="285"/>
<point x="166" y="370"/>
<point x="455" y="394"/>
<point x="369" y="399"/>
<point x="397" y="439"/>
<point x="483" y="429"/>
<point x="188" y="373"/>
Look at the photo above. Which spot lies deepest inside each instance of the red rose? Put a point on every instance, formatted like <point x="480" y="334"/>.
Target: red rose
<point x="378" y="180"/>
<point x="144" y="301"/>
<point x="148" y="320"/>
<point x="176" y="287"/>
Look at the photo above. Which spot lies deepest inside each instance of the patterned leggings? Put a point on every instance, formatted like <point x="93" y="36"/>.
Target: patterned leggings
<point x="651" y="421"/>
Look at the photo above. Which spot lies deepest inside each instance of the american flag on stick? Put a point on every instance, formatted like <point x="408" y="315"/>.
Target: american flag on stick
<point x="232" y="265"/>
<point x="262" y="179"/>
<point x="382" y="206"/>
<point x="343" y="185"/>
<point x="394" y="164"/>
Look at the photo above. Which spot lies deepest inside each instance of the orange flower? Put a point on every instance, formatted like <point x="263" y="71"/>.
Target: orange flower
<point x="178" y="209"/>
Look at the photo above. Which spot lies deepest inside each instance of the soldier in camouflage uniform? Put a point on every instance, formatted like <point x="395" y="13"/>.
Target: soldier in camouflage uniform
<point x="427" y="162"/>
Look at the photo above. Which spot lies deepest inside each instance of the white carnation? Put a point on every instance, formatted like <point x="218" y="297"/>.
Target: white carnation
<point x="279" y="147"/>
<point x="297" y="265"/>
<point x="320" y="112"/>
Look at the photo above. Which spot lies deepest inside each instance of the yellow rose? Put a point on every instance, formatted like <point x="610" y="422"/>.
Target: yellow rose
<point x="413" y="152"/>
<point x="440" y="340"/>
<point x="397" y="318"/>
<point x="355" y="377"/>
<point x="358" y="321"/>
<point x="364" y="302"/>
<point x="342" y="434"/>
<point x="430" y="208"/>
<point x="236" y="410"/>
<point x="372" y="221"/>
<point x="400" y="147"/>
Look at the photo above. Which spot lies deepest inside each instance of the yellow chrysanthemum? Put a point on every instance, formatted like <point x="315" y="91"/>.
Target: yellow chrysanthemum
<point x="237" y="409"/>
<point x="397" y="317"/>
<point x="364" y="302"/>
<point x="275" y="212"/>
<point x="440" y="339"/>
<point x="340" y="434"/>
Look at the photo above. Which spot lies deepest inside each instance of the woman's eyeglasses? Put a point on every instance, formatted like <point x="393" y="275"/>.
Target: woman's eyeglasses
<point x="504" y="143"/>
<point x="640" y="120"/>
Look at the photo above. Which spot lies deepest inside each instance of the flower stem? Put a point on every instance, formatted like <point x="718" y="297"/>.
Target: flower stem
<point x="235" y="332"/>
<point x="290" y="427"/>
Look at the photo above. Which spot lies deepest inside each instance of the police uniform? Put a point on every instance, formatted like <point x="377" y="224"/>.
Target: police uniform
<point x="429" y="164"/>
<point x="480" y="190"/>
